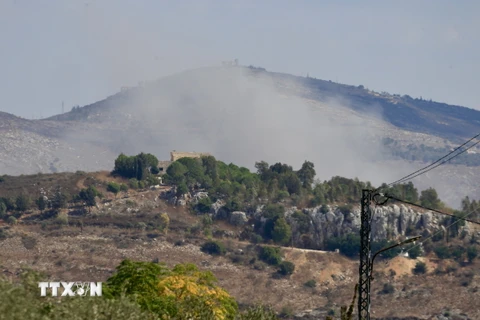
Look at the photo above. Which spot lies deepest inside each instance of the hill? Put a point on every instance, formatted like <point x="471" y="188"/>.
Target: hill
<point x="74" y="243"/>
<point x="242" y="115"/>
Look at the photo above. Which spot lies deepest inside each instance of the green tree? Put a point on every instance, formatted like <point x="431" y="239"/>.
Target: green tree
<point x="3" y="210"/>
<point x="22" y="202"/>
<point x="270" y="255"/>
<point x="472" y="253"/>
<point x="181" y="189"/>
<point x="59" y="199"/>
<point x="113" y="188"/>
<point x="41" y="203"/>
<point x="210" y="165"/>
<point x="88" y="195"/>
<point x="414" y="252"/>
<point x="286" y="268"/>
<point x="213" y="247"/>
<point x="180" y="293"/>
<point x="176" y="173"/>
<point x="306" y="174"/>
<point x="429" y="198"/>
<point x="282" y="233"/>
<point x="420" y="268"/>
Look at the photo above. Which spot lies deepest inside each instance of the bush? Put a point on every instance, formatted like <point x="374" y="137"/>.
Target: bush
<point x="310" y="284"/>
<point x="113" y="188"/>
<point x="11" y="220"/>
<point x="414" y="252"/>
<point x="213" y="248"/>
<point x="420" y="268"/>
<point x="472" y="253"/>
<point x="286" y="268"/>
<point x="133" y="183"/>
<point x="256" y="238"/>
<point x="388" y="288"/>
<point x="442" y="252"/>
<point x="204" y="205"/>
<point x="270" y="255"/>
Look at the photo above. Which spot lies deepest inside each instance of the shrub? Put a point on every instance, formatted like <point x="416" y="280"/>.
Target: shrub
<point x="11" y="220"/>
<point x="113" y="188"/>
<point x="442" y="252"/>
<point x="256" y="238"/>
<point x="270" y="255"/>
<point x="472" y="253"/>
<point x="420" y="268"/>
<point x="414" y="252"/>
<point x="286" y="268"/>
<point x="133" y="183"/>
<point x="213" y="248"/>
<point x="204" y="205"/>
<point x="310" y="284"/>
<point x="388" y="288"/>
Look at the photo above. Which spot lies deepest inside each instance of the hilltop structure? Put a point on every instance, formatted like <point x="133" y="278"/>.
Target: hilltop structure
<point x="175" y="155"/>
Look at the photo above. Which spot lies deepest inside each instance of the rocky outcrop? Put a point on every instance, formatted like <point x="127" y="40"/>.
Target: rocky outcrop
<point x="238" y="218"/>
<point x="387" y="222"/>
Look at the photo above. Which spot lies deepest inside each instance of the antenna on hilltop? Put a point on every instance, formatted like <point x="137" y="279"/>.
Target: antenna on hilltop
<point x="63" y="107"/>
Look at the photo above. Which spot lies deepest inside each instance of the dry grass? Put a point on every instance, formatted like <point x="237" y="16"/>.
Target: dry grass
<point x="108" y="236"/>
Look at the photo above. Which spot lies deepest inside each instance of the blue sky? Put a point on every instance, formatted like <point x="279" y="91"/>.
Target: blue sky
<point x="80" y="52"/>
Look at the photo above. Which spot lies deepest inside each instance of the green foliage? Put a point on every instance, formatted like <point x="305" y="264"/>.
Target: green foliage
<point x="113" y="188"/>
<point x="286" y="268"/>
<point x="133" y="183"/>
<point x="22" y="202"/>
<point x="59" y="200"/>
<point x="138" y="166"/>
<point x="270" y="255"/>
<point x="472" y="253"/>
<point x="302" y="221"/>
<point x="137" y="291"/>
<point x="204" y="205"/>
<point x="213" y="247"/>
<point x="388" y="288"/>
<point x="281" y="233"/>
<point x="420" y="268"/>
<point x="442" y="252"/>
<point x="88" y="195"/>
<point x="3" y="210"/>
<point x="123" y="187"/>
<point x="348" y="245"/>
<point x="429" y="199"/>
<point x="41" y="203"/>
<point x="11" y="220"/>
<point x="9" y="203"/>
<point x="388" y="254"/>
<point x="310" y="283"/>
<point x="414" y="251"/>
<point x="180" y="293"/>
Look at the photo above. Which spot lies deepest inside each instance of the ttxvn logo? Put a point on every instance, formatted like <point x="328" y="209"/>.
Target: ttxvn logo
<point x="71" y="289"/>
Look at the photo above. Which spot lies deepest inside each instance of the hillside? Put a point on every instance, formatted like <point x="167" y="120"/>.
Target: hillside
<point x="76" y="243"/>
<point x="243" y="115"/>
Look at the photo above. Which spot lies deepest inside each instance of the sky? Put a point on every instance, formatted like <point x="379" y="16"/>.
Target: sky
<point x="80" y="52"/>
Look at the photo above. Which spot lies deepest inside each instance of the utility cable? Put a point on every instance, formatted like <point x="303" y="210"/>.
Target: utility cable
<point x="434" y="210"/>
<point x="438" y="232"/>
<point x="408" y="177"/>
<point x="445" y="161"/>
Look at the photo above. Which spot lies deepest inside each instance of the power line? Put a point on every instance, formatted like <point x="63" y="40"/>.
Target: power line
<point x="463" y="151"/>
<point x="420" y="171"/>
<point x="438" y="232"/>
<point x="434" y="210"/>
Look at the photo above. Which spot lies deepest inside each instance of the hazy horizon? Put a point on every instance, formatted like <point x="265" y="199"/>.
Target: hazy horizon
<point x="81" y="52"/>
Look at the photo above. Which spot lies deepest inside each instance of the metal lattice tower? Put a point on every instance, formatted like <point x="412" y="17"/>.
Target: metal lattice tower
<point x="365" y="257"/>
